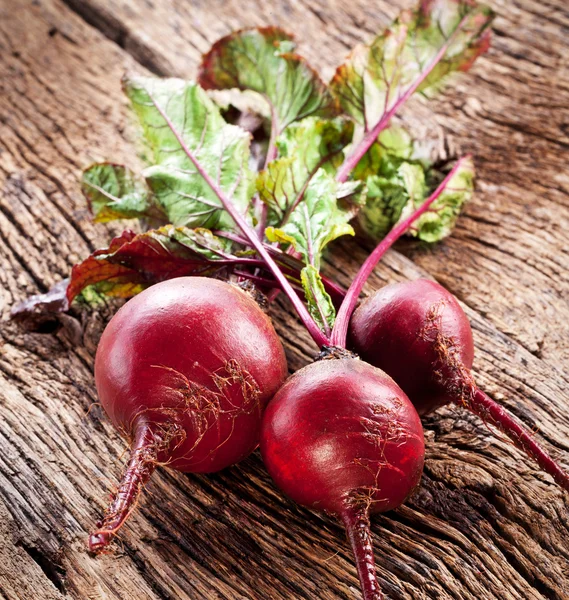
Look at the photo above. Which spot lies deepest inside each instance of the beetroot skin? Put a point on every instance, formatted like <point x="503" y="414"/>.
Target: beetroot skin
<point x="417" y="332"/>
<point x="342" y="437"/>
<point x="184" y="370"/>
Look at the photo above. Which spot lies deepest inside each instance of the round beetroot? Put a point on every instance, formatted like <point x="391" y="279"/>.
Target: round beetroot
<point x="417" y="333"/>
<point x="342" y="437"/>
<point x="184" y="370"/>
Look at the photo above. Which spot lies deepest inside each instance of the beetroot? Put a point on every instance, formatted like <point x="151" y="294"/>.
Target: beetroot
<point x="342" y="437"/>
<point x="417" y="332"/>
<point x="184" y="371"/>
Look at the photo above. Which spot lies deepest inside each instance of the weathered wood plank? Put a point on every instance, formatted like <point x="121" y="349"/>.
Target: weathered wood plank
<point x="475" y="530"/>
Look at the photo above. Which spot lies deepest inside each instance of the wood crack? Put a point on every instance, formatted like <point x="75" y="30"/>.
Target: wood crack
<point x="114" y="30"/>
<point x="50" y="567"/>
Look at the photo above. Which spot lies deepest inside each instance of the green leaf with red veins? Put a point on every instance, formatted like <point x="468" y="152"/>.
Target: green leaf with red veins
<point x="439" y="221"/>
<point x="115" y="192"/>
<point x="304" y="147"/>
<point x="178" y="118"/>
<point x="416" y="53"/>
<point x="393" y="195"/>
<point x="263" y="60"/>
<point x="316" y="221"/>
<point x="321" y="217"/>
<point x="397" y="182"/>
<point x="393" y="145"/>
<point x="389" y="194"/>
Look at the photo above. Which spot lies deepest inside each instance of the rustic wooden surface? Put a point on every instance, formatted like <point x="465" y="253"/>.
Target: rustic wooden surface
<point x="484" y="525"/>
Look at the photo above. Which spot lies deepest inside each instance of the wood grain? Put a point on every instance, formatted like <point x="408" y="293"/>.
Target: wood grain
<point x="484" y="525"/>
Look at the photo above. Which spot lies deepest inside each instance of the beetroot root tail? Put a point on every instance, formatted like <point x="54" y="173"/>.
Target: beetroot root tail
<point x="358" y="530"/>
<point x="491" y="412"/>
<point x="141" y="465"/>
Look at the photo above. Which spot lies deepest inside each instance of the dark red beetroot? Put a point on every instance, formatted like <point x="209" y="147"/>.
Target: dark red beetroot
<point x="417" y="332"/>
<point x="342" y="437"/>
<point x="184" y="370"/>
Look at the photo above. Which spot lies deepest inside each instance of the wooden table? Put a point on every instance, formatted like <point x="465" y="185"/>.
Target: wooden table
<point x="485" y="523"/>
